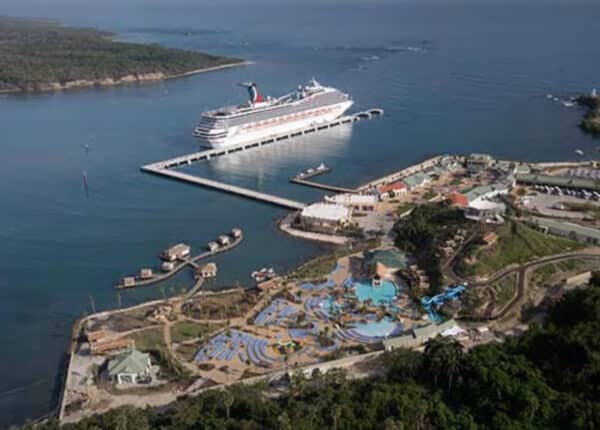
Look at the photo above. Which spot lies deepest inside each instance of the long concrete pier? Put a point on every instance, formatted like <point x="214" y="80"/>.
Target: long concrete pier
<point x="233" y="189"/>
<point x="407" y="171"/>
<point x="321" y="186"/>
<point x="163" y="168"/>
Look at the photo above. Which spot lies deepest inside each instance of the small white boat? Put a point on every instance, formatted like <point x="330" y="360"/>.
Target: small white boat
<point x="568" y="104"/>
<point x="578" y="152"/>
<point x="321" y="167"/>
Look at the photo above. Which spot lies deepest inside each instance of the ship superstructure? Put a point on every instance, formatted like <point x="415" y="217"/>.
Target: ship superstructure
<point x="262" y="117"/>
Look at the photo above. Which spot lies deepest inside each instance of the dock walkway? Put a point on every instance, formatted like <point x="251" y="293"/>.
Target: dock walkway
<point x="233" y="189"/>
<point x="163" y="168"/>
<point x="183" y="263"/>
<point x="326" y="187"/>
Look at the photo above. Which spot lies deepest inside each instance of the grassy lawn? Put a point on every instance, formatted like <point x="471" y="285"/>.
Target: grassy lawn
<point x="151" y="339"/>
<point x="519" y="244"/>
<point x="187" y="351"/>
<point x="542" y="274"/>
<point x="186" y="330"/>
<point x="505" y="289"/>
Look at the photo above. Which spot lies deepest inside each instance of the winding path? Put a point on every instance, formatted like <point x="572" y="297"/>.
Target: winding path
<point x="522" y="285"/>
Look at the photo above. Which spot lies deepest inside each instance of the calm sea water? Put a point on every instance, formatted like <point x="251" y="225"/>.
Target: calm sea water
<point x="454" y="77"/>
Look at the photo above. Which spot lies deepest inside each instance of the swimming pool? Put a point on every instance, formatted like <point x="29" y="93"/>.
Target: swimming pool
<point x="382" y="294"/>
<point x="382" y="328"/>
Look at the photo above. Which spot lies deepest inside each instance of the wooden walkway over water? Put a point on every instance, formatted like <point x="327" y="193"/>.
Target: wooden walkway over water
<point x="192" y="262"/>
<point x="163" y="168"/>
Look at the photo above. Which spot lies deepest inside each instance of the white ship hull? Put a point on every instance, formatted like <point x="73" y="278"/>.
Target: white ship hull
<point x="247" y="134"/>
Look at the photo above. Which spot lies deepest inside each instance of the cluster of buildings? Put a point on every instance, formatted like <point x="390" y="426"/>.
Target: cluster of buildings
<point x="335" y="212"/>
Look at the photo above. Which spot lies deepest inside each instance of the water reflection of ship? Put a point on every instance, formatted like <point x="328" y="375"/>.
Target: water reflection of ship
<point x="277" y="157"/>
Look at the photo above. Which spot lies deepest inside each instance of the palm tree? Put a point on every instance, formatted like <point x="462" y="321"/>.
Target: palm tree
<point x="443" y="357"/>
<point x="336" y="414"/>
<point x="228" y="400"/>
<point x="298" y="384"/>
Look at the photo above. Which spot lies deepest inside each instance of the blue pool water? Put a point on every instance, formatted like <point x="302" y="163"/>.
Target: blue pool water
<point x="382" y="328"/>
<point x="383" y="294"/>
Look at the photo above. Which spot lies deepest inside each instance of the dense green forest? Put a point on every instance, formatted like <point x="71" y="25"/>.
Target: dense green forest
<point x="37" y="53"/>
<point x="548" y="378"/>
<point x="424" y="232"/>
<point x="591" y="121"/>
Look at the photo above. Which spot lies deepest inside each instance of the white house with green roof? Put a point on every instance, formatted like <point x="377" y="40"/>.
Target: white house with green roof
<point x="129" y="367"/>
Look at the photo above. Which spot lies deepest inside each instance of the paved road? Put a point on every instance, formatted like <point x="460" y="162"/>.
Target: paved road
<point x="522" y="270"/>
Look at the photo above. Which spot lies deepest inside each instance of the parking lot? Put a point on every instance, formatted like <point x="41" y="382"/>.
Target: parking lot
<point x="554" y="205"/>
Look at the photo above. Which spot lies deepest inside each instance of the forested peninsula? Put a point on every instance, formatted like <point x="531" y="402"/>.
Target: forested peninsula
<point x="46" y="56"/>
<point x="591" y="121"/>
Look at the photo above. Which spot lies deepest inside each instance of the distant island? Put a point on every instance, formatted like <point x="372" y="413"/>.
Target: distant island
<point x="591" y="121"/>
<point x="46" y="56"/>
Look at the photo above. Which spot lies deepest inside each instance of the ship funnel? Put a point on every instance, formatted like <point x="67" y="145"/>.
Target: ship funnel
<point x="254" y="95"/>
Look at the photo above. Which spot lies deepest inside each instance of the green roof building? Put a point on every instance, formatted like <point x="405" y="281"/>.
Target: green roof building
<point x="416" y="180"/>
<point x="384" y="261"/>
<point x="129" y="367"/>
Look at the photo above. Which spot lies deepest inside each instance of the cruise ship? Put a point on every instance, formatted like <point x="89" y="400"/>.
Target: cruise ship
<point x="264" y="117"/>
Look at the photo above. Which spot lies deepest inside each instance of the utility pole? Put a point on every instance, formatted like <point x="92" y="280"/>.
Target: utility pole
<point x="92" y="303"/>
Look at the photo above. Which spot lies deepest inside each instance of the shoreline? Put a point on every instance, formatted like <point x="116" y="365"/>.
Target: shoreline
<point x="127" y="79"/>
<point x="325" y="253"/>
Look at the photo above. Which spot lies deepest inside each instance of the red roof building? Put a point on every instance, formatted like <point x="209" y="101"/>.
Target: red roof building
<point x="459" y="199"/>
<point x="387" y="190"/>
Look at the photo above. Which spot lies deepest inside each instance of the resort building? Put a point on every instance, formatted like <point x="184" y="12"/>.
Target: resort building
<point x="476" y="163"/>
<point x="325" y="217"/>
<point x="129" y="367"/>
<point x="128" y="281"/>
<point x="358" y="202"/>
<point x="224" y="240"/>
<point x="578" y="280"/>
<point x="579" y="233"/>
<point x="178" y="252"/>
<point x="389" y="191"/>
<point x="146" y="274"/>
<point x="236" y="233"/>
<point x="212" y="246"/>
<point x="167" y="266"/>
<point x="580" y="183"/>
<point x="208" y="270"/>
<point x="481" y="202"/>
<point x="422" y="334"/>
<point x="416" y="180"/>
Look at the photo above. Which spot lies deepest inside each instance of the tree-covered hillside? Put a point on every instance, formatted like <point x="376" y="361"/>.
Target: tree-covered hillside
<point x="549" y="378"/>
<point x="36" y="53"/>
